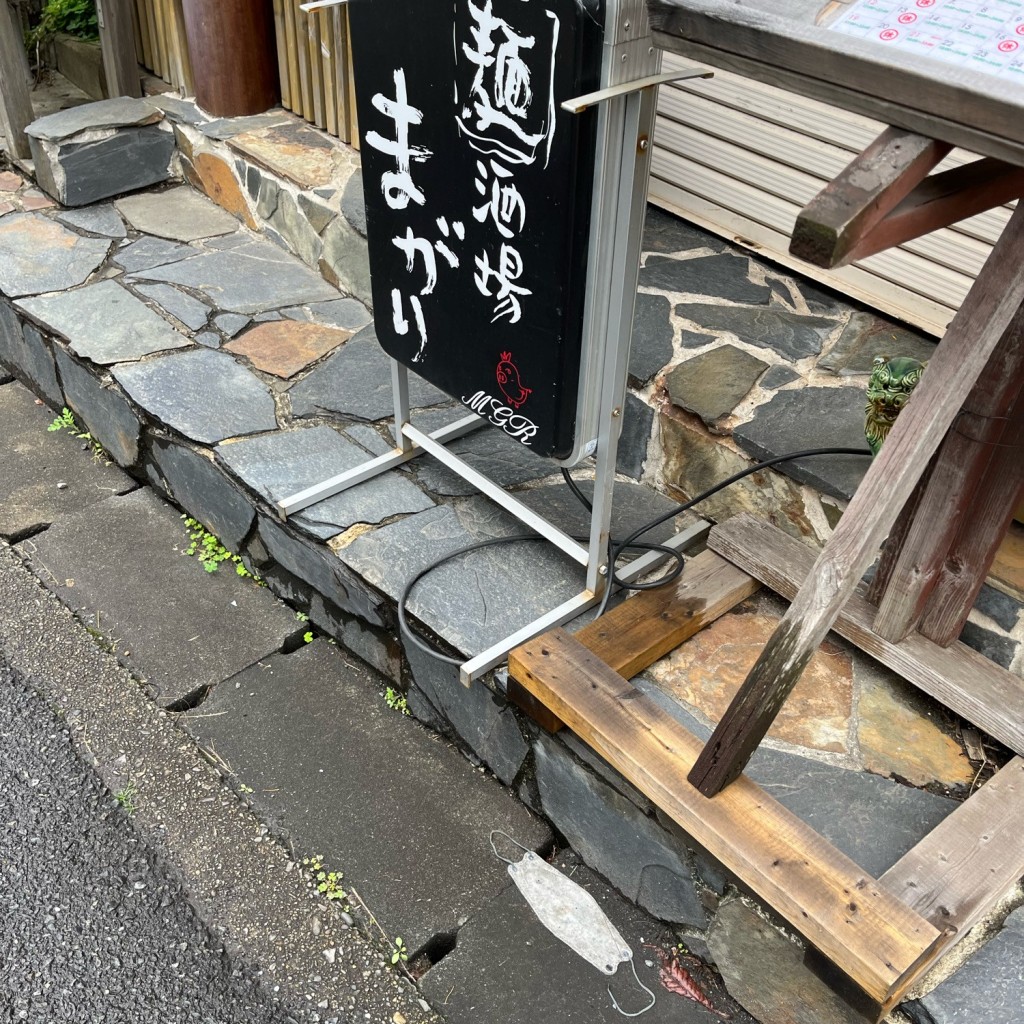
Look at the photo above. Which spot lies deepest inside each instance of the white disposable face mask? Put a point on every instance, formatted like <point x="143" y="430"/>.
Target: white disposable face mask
<point x="572" y="915"/>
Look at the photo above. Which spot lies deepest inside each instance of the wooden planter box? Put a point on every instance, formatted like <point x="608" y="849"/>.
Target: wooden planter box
<point x="80" y="61"/>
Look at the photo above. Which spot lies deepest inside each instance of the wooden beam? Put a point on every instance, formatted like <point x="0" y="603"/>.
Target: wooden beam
<point x="850" y="206"/>
<point x="639" y="631"/>
<point x="950" y="498"/>
<point x="835" y="905"/>
<point x="957" y="873"/>
<point x="117" y="40"/>
<point x="15" y="99"/>
<point x="958" y="362"/>
<point x="959" y="677"/>
<point x="636" y="633"/>
<point x="940" y="200"/>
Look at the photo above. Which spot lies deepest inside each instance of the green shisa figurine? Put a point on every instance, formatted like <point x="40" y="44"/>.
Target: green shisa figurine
<point x="891" y="383"/>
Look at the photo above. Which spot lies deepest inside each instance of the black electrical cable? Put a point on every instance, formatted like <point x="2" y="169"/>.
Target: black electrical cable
<point x="616" y="547"/>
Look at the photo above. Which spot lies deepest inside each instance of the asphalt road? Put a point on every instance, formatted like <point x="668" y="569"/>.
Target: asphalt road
<point x="92" y="929"/>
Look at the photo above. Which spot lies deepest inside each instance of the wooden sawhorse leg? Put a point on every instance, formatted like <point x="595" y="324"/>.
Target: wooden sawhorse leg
<point x="959" y="362"/>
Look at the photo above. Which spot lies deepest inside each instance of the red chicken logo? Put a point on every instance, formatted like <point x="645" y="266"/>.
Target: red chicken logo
<point x="509" y="382"/>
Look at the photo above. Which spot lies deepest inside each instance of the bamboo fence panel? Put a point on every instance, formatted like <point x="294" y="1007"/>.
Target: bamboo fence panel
<point x="315" y="64"/>
<point x="162" y="44"/>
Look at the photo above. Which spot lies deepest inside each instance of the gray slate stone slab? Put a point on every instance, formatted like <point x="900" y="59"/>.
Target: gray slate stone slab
<point x="318" y="213"/>
<point x="346" y="255"/>
<point x="24" y="352"/>
<point x="248" y="279"/>
<point x="488" y="450"/>
<point x="228" y="127"/>
<point x="811" y="418"/>
<point x="231" y="323"/>
<point x="635" y="439"/>
<point x="403" y="815"/>
<point x="790" y="334"/>
<point x="542" y="980"/>
<point x="481" y="718"/>
<point x="212" y="625"/>
<point x="652" y="337"/>
<point x="150" y="252"/>
<point x="867" y="336"/>
<point x="103" y="411"/>
<point x="191" y="312"/>
<point x="178" y="110"/>
<point x="35" y="461"/>
<point x="714" y="383"/>
<point x="209" y="339"/>
<point x="777" y="377"/>
<point x="353" y="204"/>
<point x="98" y="220"/>
<point x="726" y="276"/>
<point x="90" y="171"/>
<point x="478" y="600"/>
<point x="180" y="214"/>
<point x="233" y="241"/>
<point x="293" y="226"/>
<point x="205" y="491"/>
<point x="999" y="649"/>
<point x="355" y="381"/>
<point x="119" y="112"/>
<point x="104" y="322"/>
<point x="203" y="394"/>
<point x="1001" y="608"/>
<point x="615" y="838"/>
<point x="765" y="970"/>
<point x="988" y="989"/>
<point x="38" y="255"/>
<point x="283" y="463"/>
<point x="665" y="232"/>
<point x="348" y="314"/>
<point x="319" y="567"/>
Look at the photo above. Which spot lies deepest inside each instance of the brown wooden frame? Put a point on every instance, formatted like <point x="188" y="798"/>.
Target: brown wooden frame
<point x="884" y="933"/>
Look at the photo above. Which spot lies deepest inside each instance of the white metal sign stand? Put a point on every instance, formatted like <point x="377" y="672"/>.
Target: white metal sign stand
<point x="627" y="104"/>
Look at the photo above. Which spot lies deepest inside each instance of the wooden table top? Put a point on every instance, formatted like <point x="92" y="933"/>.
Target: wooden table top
<point x="779" y="42"/>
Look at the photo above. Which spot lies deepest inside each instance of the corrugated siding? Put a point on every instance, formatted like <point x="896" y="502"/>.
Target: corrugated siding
<point x="741" y="159"/>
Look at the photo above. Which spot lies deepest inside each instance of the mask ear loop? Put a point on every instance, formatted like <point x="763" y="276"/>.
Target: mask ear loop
<point x="498" y="832"/>
<point x="611" y="996"/>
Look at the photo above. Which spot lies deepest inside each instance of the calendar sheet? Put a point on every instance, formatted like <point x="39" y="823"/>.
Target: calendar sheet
<point x="979" y="35"/>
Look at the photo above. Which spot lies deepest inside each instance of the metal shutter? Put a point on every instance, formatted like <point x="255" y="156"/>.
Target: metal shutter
<point x="741" y="158"/>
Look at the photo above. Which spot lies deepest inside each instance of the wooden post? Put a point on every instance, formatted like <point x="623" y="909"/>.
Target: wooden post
<point x="959" y="361"/>
<point x="117" y="39"/>
<point x="949" y="506"/>
<point x="15" y="100"/>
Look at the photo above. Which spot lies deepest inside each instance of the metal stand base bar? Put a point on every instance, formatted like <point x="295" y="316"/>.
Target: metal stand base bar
<point x="497" y="494"/>
<point x="373" y="468"/>
<point x="473" y="669"/>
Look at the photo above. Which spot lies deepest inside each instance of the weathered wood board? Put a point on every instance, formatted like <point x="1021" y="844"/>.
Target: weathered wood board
<point x="779" y="42"/>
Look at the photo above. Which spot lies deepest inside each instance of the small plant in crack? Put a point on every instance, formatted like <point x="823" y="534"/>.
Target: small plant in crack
<point x="66" y="421"/>
<point x="396" y="701"/>
<point x="302" y="616"/>
<point x="211" y="553"/>
<point x="308" y="636"/>
<point x="399" y="954"/>
<point x="126" y="797"/>
<point x="327" y="883"/>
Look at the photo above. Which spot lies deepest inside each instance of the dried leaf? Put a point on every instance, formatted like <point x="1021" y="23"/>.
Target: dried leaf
<point x="676" y="978"/>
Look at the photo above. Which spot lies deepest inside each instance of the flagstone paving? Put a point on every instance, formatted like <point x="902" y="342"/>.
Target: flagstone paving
<point x="179" y="213"/>
<point x="70" y="258"/>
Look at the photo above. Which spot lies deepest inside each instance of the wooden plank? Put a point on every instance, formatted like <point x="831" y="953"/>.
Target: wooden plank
<point x="941" y="200"/>
<point x="137" y="30"/>
<point x="343" y="58"/>
<point x="177" y="41"/>
<point x="835" y="905"/>
<point x="302" y="52"/>
<point x="871" y="186"/>
<point x="294" y="84"/>
<point x="638" y="632"/>
<point x="965" y="681"/>
<point x="329" y="61"/>
<point x="282" y="53"/>
<point x="353" y="117"/>
<point x="959" y="361"/>
<point x="948" y="500"/>
<point x="990" y="510"/>
<point x="15" y="100"/>
<point x="160" y="20"/>
<point x="955" y="875"/>
<point x="316" y="67"/>
<point x="117" y="41"/>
